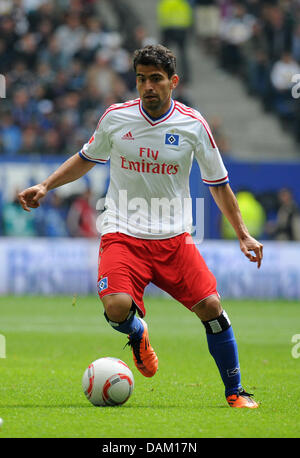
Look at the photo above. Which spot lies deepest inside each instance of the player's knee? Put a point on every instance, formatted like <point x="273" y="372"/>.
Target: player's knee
<point x="117" y="306"/>
<point x="209" y="308"/>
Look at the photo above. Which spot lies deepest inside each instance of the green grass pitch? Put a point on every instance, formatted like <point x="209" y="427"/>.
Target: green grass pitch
<point x="50" y="342"/>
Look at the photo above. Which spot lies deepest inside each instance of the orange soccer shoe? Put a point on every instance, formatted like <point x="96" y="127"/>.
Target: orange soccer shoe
<point x="242" y="399"/>
<point x="144" y="356"/>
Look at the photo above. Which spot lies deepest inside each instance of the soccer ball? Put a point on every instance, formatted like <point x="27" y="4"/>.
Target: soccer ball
<point x="108" y="382"/>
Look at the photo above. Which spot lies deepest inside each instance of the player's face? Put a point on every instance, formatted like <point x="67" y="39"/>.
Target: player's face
<point x="155" y="88"/>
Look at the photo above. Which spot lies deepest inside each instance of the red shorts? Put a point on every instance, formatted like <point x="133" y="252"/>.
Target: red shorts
<point x="128" y="264"/>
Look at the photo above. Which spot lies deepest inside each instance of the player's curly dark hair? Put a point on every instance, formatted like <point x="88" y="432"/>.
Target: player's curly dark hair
<point x="157" y="55"/>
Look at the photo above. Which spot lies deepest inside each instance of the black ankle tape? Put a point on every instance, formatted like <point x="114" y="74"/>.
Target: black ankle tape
<point x="217" y="324"/>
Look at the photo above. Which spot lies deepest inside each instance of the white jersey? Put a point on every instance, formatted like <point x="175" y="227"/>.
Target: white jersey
<point x="150" y="163"/>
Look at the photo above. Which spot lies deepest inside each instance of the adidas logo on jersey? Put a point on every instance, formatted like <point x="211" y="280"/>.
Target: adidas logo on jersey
<point x="128" y="136"/>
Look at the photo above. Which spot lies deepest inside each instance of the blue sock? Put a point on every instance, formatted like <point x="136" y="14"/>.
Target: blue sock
<point x="223" y="348"/>
<point x="132" y="326"/>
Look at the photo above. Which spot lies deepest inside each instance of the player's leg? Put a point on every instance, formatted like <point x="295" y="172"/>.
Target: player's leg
<point x="120" y="314"/>
<point x="223" y="348"/>
<point x="121" y="282"/>
<point x="186" y="277"/>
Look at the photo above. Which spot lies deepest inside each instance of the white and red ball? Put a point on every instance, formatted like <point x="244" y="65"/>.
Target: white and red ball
<point x="108" y="382"/>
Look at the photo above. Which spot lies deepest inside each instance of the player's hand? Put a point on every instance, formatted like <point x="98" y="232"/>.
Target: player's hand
<point x="249" y="246"/>
<point x="29" y="198"/>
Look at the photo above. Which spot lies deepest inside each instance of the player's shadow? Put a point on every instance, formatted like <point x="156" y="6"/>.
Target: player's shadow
<point x="129" y="406"/>
<point x="167" y="407"/>
<point x="46" y="406"/>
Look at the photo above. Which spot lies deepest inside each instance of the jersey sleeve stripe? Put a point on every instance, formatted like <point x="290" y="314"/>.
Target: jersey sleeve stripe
<point x="212" y="142"/>
<point x="216" y="182"/>
<point x="91" y="159"/>
<point x="196" y="114"/>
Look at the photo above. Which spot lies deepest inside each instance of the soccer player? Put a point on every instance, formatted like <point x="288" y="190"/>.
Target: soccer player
<point x="151" y="143"/>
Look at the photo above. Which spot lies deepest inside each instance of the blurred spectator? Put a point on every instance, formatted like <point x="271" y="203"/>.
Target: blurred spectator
<point x="53" y="55"/>
<point x="278" y="29"/>
<point x="207" y="21"/>
<point x="31" y="142"/>
<point x="253" y="215"/>
<point x="282" y="72"/>
<point x="6" y="57"/>
<point x="10" y="135"/>
<point x="257" y="76"/>
<point x="77" y="77"/>
<point x="235" y="31"/>
<point x="140" y="39"/>
<point x="27" y="47"/>
<point x="81" y="220"/>
<point x="281" y="80"/>
<point x="216" y="126"/>
<point x="51" y="143"/>
<point x="44" y="33"/>
<point x="101" y="75"/>
<point x="51" y="217"/>
<point x="16" y="222"/>
<point x="20" y="76"/>
<point x="175" y="20"/>
<point x="127" y="22"/>
<point x="92" y="100"/>
<point x="8" y="32"/>
<point x="43" y="10"/>
<point x="68" y="106"/>
<point x="59" y="86"/>
<point x="255" y="57"/>
<point x="24" y="108"/>
<point x="45" y="74"/>
<point x="287" y="224"/>
<point x="70" y="35"/>
<point x="96" y="36"/>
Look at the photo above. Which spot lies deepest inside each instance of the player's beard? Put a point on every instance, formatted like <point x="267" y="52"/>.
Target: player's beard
<point x="153" y="106"/>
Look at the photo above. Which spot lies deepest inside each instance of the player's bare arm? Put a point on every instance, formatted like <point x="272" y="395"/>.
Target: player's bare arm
<point x="72" y="169"/>
<point x="228" y="204"/>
